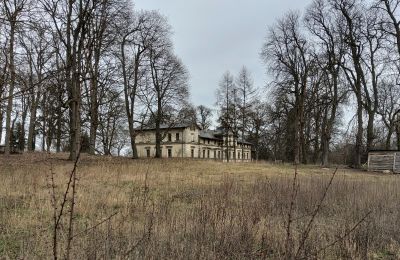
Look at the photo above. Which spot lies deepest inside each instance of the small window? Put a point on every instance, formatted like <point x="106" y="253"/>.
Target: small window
<point x="177" y="136"/>
<point x="215" y="154"/>
<point x="148" y="152"/>
<point x="239" y="155"/>
<point x="169" y="137"/>
<point x="219" y="154"/>
<point x="208" y="153"/>
<point x="169" y="152"/>
<point x="192" y="137"/>
<point x="192" y="153"/>
<point x="204" y="153"/>
<point x="208" y="141"/>
<point x="204" y="141"/>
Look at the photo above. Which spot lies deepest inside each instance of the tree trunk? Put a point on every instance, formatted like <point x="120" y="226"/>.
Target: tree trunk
<point x="93" y="114"/>
<point x="158" y="129"/>
<point x="1" y="124"/>
<point x="59" y="124"/>
<point x="358" y="146"/>
<point x="32" y="122"/>
<point x="7" y="148"/>
<point x="398" y="136"/>
<point x="388" y="143"/>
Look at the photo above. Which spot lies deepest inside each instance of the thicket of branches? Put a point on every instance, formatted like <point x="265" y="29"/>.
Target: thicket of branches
<point x="97" y="71"/>
<point x="85" y="72"/>
<point x="337" y="59"/>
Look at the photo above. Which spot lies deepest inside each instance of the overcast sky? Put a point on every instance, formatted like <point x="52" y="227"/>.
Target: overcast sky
<point x="213" y="36"/>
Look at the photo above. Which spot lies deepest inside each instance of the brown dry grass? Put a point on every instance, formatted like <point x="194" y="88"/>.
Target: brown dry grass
<point x="182" y="209"/>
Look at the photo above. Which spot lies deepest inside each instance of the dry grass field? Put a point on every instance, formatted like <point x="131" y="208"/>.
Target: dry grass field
<point x="183" y="209"/>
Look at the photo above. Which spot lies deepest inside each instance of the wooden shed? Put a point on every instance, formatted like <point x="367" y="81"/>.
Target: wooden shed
<point x="384" y="161"/>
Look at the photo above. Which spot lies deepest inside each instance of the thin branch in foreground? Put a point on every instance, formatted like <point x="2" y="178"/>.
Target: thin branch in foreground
<point x="289" y="242"/>
<point x="362" y="220"/>
<point x="306" y="233"/>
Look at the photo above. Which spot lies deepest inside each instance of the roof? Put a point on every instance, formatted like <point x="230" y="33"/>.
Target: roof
<point x="168" y="126"/>
<point x="218" y="135"/>
<point x="211" y="134"/>
<point x="384" y="151"/>
<point x="244" y="142"/>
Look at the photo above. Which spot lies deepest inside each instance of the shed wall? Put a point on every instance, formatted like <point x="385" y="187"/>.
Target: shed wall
<point x="384" y="161"/>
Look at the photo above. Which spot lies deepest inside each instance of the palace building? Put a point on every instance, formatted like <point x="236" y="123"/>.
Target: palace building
<point x="189" y="141"/>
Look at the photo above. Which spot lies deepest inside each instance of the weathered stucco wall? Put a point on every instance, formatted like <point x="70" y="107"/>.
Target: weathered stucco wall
<point x="188" y="144"/>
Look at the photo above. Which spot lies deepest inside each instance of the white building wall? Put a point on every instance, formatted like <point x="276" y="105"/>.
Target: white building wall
<point x="189" y="140"/>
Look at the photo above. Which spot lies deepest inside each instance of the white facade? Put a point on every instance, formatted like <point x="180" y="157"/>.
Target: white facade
<point x="191" y="142"/>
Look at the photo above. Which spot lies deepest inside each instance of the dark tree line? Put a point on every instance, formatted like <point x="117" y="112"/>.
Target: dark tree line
<point x="85" y="72"/>
<point x="337" y="58"/>
<point x="95" y="72"/>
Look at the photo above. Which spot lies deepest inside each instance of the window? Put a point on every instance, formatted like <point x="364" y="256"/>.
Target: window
<point x="208" y="141"/>
<point x="169" y="137"/>
<point x="177" y="136"/>
<point x="192" y="153"/>
<point x="192" y="137"/>
<point x="148" y="152"/>
<point x="239" y="155"/>
<point x="204" y="141"/>
<point x="219" y="154"/>
<point x="169" y="152"/>
<point x="208" y="153"/>
<point x="215" y="154"/>
<point x="204" y="153"/>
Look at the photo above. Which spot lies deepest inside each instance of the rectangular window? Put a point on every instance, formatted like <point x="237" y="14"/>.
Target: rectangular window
<point x="208" y="141"/>
<point x="192" y="153"/>
<point x="177" y="136"/>
<point x="215" y="154"/>
<point x="192" y="137"/>
<point x="219" y="154"/>
<point x="204" y="153"/>
<point x="204" y="141"/>
<point x="169" y="137"/>
<point x="239" y="155"/>
<point x="148" y="152"/>
<point x="169" y="152"/>
<point x="208" y="153"/>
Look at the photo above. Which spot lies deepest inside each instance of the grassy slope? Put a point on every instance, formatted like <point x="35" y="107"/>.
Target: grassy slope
<point x="195" y="209"/>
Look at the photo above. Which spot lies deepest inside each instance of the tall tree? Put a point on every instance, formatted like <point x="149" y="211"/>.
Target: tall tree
<point x="327" y="30"/>
<point x="12" y="11"/>
<point x="350" y="12"/>
<point x="70" y="22"/>
<point x="168" y="90"/>
<point x="289" y="58"/>
<point x="226" y="103"/>
<point x="246" y="96"/>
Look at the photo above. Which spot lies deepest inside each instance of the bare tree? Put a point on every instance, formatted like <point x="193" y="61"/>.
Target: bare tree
<point x="350" y="12"/>
<point x="289" y="58"/>
<point x="204" y="115"/>
<point x="226" y="103"/>
<point x="70" y="22"/>
<point x="168" y="89"/>
<point x="12" y="12"/>
<point x="138" y="33"/>
<point x="328" y="32"/>
<point x="246" y="97"/>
